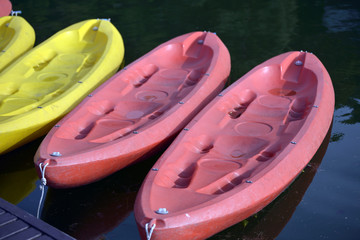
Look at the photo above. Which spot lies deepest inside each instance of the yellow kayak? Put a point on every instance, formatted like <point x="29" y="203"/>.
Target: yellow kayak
<point x="48" y="81"/>
<point x="16" y="37"/>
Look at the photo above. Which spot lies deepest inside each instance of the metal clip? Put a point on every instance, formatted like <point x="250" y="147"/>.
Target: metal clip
<point x="15" y="13"/>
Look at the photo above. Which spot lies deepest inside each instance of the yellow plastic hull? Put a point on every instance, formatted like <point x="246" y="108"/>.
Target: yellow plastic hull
<point x="48" y="81"/>
<point x="16" y="37"/>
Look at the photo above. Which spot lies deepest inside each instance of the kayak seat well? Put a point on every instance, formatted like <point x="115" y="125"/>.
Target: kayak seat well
<point x="124" y="119"/>
<point x="46" y="81"/>
<point x="145" y="92"/>
<point x="163" y="90"/>
<point x="50" y="72"/>
<point x="230" y="162"/>
<point x="258" y="122"/>
<point x="27" y="96"/>
<point x="201" y="164"/>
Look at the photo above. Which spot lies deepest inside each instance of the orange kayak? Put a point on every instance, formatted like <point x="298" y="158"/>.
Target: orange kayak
<point x="240" y="152"/>
<point x="5" y="7"/>
<point x="135" y="112"/>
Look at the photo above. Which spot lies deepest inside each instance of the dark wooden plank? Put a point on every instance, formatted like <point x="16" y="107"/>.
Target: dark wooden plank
<point x="12" y="228"/>
<point x="6" y="218"/>
<point x="44" y="237"/>
<point x="46" y="229"/>
<point x="29" y="233"/>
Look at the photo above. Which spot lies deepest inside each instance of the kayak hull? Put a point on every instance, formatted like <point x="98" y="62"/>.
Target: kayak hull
<point x="48" y="81"/>
<point x="136" y="112"/>
<point x="240" y="152"/>
<point x="6" y="7"/>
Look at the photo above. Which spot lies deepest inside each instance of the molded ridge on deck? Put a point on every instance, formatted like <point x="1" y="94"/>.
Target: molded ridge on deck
<point x="16" y="223"/>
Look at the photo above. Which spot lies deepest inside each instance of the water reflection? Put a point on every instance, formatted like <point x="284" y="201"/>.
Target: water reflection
<point x="268" y="223"/>
<point x="334" y="38"/>
<point x="345" y="74"/>
<point x="341" y="18"/>
<point x="17" y="173"/>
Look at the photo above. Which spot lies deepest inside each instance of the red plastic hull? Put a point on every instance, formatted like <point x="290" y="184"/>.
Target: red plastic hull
<point x="5" y="7"/>
<point x="240" y="152"/>
<point x="136" y="111"/>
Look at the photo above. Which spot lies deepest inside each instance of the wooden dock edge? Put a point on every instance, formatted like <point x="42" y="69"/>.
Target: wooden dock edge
<point x="15" y="223"/>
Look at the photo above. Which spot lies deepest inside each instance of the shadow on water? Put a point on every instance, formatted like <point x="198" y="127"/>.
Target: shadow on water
<point x="269" y="222"/>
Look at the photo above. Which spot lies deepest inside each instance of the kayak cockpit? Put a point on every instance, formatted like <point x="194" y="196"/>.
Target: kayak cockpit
<point x="140" y="94"/>
<point x="231" y="144"/>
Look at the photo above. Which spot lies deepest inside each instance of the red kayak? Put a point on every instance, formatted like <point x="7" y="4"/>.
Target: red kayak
<point x="135" y="112"/>
<point x="240" y="152"/>
<point x="5" y="8"/>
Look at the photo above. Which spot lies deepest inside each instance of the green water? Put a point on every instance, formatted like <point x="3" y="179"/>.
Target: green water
<point x="323" y="203"/>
